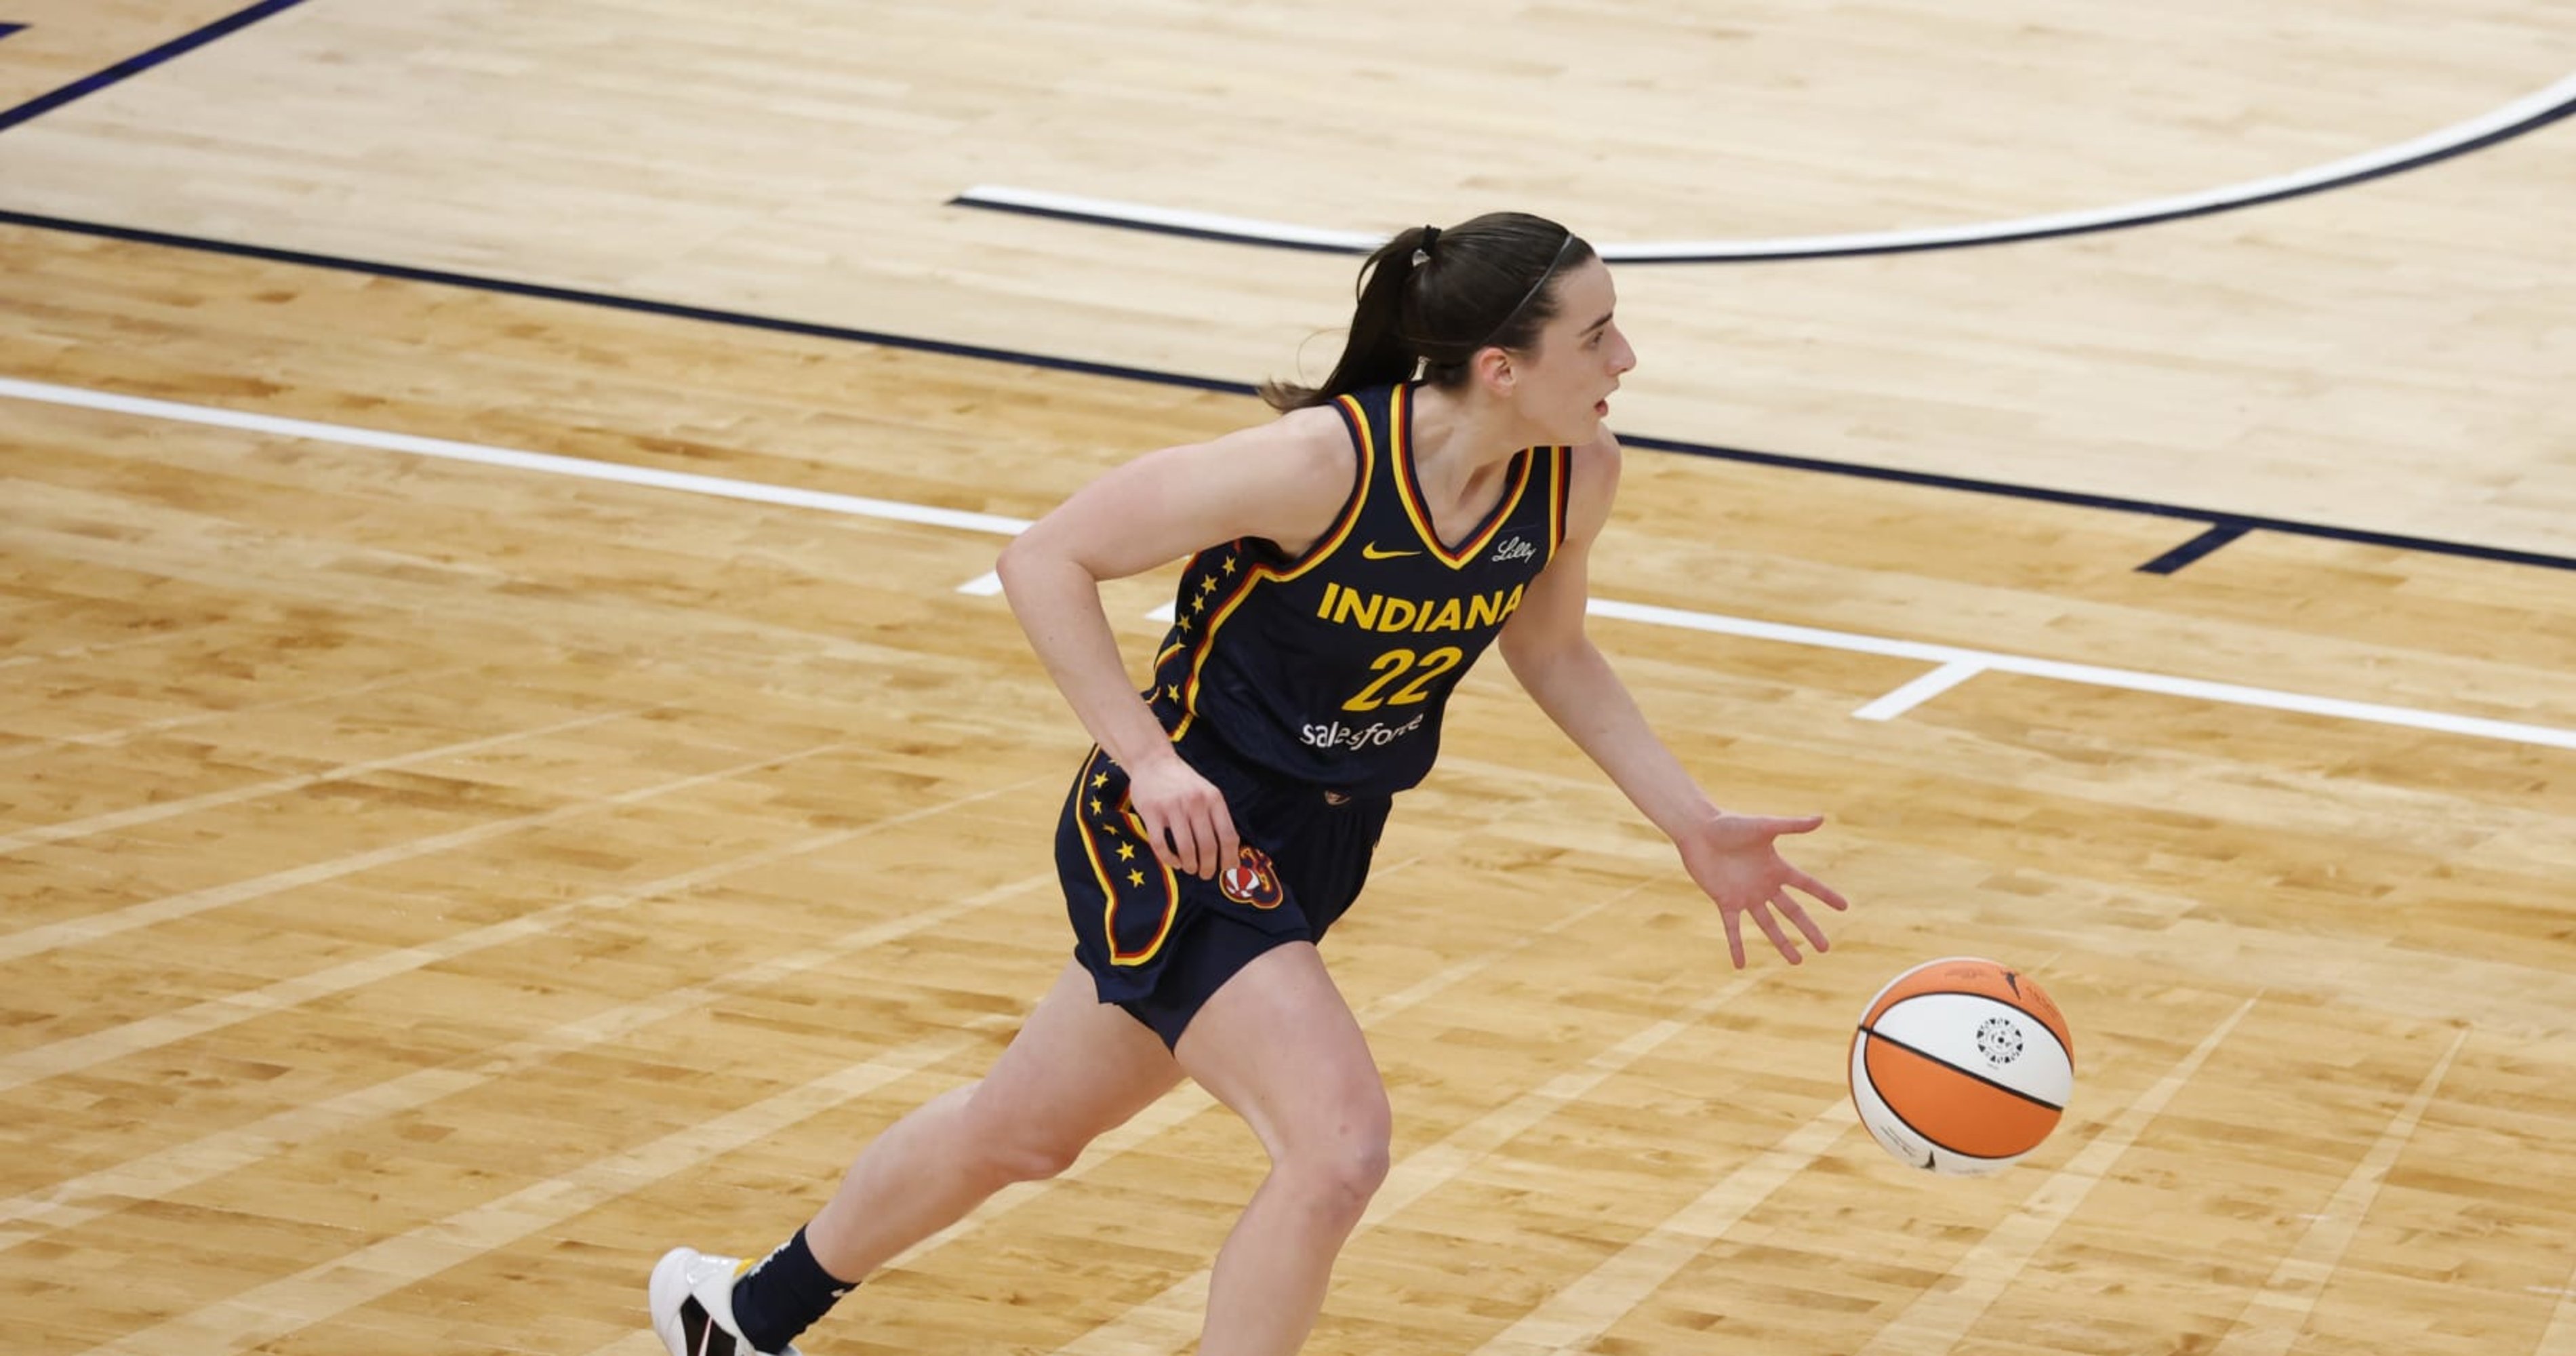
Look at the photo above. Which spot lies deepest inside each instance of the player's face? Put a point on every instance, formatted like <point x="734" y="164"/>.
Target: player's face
<point x="1566" y="381"/>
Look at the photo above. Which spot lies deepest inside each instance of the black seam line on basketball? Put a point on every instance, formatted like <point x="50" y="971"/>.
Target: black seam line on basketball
<point x="2531" y="124"/>
<point x="133" y="66"/>
<point x="2207" y="543"/>
<point x="1929" y="1144"/>
<point x="1873" y="1034"/>
<point x="811" y="329"/>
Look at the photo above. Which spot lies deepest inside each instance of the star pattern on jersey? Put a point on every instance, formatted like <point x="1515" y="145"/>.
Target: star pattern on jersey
<point x="1098" y="780"/>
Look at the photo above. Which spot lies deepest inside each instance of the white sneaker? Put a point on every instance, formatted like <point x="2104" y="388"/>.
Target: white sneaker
<point x="691" y="1300"/>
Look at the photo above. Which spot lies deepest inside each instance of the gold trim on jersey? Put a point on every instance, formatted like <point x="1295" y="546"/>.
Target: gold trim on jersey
<point x="1321" y="551"/>
<point x="1560" y="497"/>
<point x="1399" y="430"/>
<point x="1097" y="826"/>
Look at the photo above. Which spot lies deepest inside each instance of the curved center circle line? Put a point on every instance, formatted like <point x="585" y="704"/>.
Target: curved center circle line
<point x="2522" y="115"/>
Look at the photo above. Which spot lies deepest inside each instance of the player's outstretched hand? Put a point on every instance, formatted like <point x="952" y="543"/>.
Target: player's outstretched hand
<point x="1734" y="858"/>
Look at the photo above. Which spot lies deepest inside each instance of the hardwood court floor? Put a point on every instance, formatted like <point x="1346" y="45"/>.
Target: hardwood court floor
<point x="433" y="888"/>
<point x="2390" y="357"/>
<point x="429" y="888"/>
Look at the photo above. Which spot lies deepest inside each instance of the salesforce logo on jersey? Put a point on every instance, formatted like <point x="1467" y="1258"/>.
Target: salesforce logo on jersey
<point x="1336" y="735"/>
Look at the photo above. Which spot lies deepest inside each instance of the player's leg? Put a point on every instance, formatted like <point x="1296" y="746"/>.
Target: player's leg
<point x="1079" y="1067"/>
<point x="1279" y="1046"/>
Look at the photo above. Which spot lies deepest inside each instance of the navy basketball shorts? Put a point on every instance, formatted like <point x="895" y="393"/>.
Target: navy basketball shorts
<point x="1160" y="942"/>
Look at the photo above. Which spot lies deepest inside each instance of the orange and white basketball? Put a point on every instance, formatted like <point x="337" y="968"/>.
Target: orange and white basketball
<point x="1961" y="1066"/>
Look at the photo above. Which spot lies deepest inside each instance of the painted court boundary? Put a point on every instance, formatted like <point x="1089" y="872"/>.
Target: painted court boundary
<point x="2527" y="114"/>
<point x="2223" y="526"/>
<point x="136" y="65"/>
<point x="1952" y="664"/>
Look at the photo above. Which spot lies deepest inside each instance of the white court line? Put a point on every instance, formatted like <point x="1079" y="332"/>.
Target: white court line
<point x="1943" y="1313"/>
<point x="2231" y="694"/>
<point x="983" y="585"/>
<point x="1170" y="1320"/>
<point x="123" y="734"/>
<point x="2225" y="693"/>
<point x="92" y="1048"/>
<point x="2279" y="1312"/>
<point x="2559" y="1339"/>
<point x="76" y="1201"/>
<point x="94" y="927"/>
<point x="1189" y="1100"/>
<point x="1921" y="690"/>
<point x="1573" y="1317"/>
<point x="1284" y="233"/>
<point x="500" y="456"/>
<point x="164" y="809"/>
<point x="105" y="646"/>
<point x="265" y="1313"/>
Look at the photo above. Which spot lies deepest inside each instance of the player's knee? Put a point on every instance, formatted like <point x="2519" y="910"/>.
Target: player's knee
<point x="1033" y="1158"/>
<point x="1339" y="1169"/>
<point x="1015" y="1148"/>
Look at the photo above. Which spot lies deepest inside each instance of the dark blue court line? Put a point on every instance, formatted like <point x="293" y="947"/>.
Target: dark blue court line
<point x="7" y="29"/>
<point x="132" y="66"/>
<point x="774" y="324"/>
<point x="2535" y="122"/>
<point x="2211" y="540"/>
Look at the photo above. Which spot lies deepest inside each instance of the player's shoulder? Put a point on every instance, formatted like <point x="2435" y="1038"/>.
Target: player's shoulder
<point x="1309" y="446"/>
<point x="1591" y="484"/>
<point x="1595" y="462"/>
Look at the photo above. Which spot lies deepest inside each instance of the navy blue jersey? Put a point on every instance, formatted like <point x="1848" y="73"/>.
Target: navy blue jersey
<point x="1333" y="667"/>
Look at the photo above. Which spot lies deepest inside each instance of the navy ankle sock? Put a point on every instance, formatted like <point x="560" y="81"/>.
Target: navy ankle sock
<point x="783" y="1294"/>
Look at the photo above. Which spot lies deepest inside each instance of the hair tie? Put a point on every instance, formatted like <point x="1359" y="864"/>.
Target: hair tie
<point x="1422" y="252"/>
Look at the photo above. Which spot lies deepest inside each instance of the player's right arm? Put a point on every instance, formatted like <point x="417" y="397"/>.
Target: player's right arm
<point x="1285" y="481"/>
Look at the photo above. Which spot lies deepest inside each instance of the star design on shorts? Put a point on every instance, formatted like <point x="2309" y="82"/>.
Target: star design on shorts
<point x="1229" y="564"/>
<point x="1173" y="690"/>
<point x="1126" y="852"/>
<point x="1208" y="585"/>
<point x="1100" y="779"/>
<point x="1135" y="878"/>
<point x="1095" y="804"/>
<point x="1199" y="604"/>
<point x="1185" y="623"/>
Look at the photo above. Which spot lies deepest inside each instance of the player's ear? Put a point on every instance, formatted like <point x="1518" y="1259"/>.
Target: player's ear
<point x="1494" y="370"/>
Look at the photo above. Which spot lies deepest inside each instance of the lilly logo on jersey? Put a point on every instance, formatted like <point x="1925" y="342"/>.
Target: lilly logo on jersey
<point x="1513" y="548"/>
<point x="1378" y="612"/>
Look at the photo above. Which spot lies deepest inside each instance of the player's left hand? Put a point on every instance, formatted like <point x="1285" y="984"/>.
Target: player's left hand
<point x="1734" y="859"/>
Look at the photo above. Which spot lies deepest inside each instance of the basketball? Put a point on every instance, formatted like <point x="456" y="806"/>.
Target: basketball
<point x="1961" y="1066"/>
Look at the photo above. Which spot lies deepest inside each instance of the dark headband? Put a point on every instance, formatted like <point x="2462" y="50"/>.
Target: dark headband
<point x="1531" y="295"/>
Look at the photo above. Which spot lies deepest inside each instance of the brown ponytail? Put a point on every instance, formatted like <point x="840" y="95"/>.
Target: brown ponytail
<point x="1431" y="299"/>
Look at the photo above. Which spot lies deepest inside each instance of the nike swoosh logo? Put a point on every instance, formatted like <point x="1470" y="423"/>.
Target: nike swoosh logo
<point x="1370" y="552"/>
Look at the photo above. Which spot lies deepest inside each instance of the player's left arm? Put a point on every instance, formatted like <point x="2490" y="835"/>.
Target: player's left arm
<point x="1731" y="856"/>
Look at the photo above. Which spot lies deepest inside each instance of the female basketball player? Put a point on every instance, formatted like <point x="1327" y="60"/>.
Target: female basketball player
<point x="1439" y="492"/>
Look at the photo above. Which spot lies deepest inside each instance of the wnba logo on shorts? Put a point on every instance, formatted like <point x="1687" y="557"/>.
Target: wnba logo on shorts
<point x="1251" y="880"/>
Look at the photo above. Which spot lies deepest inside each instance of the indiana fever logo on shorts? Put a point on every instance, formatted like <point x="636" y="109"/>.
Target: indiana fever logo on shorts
<point x="1251" y="880"/>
